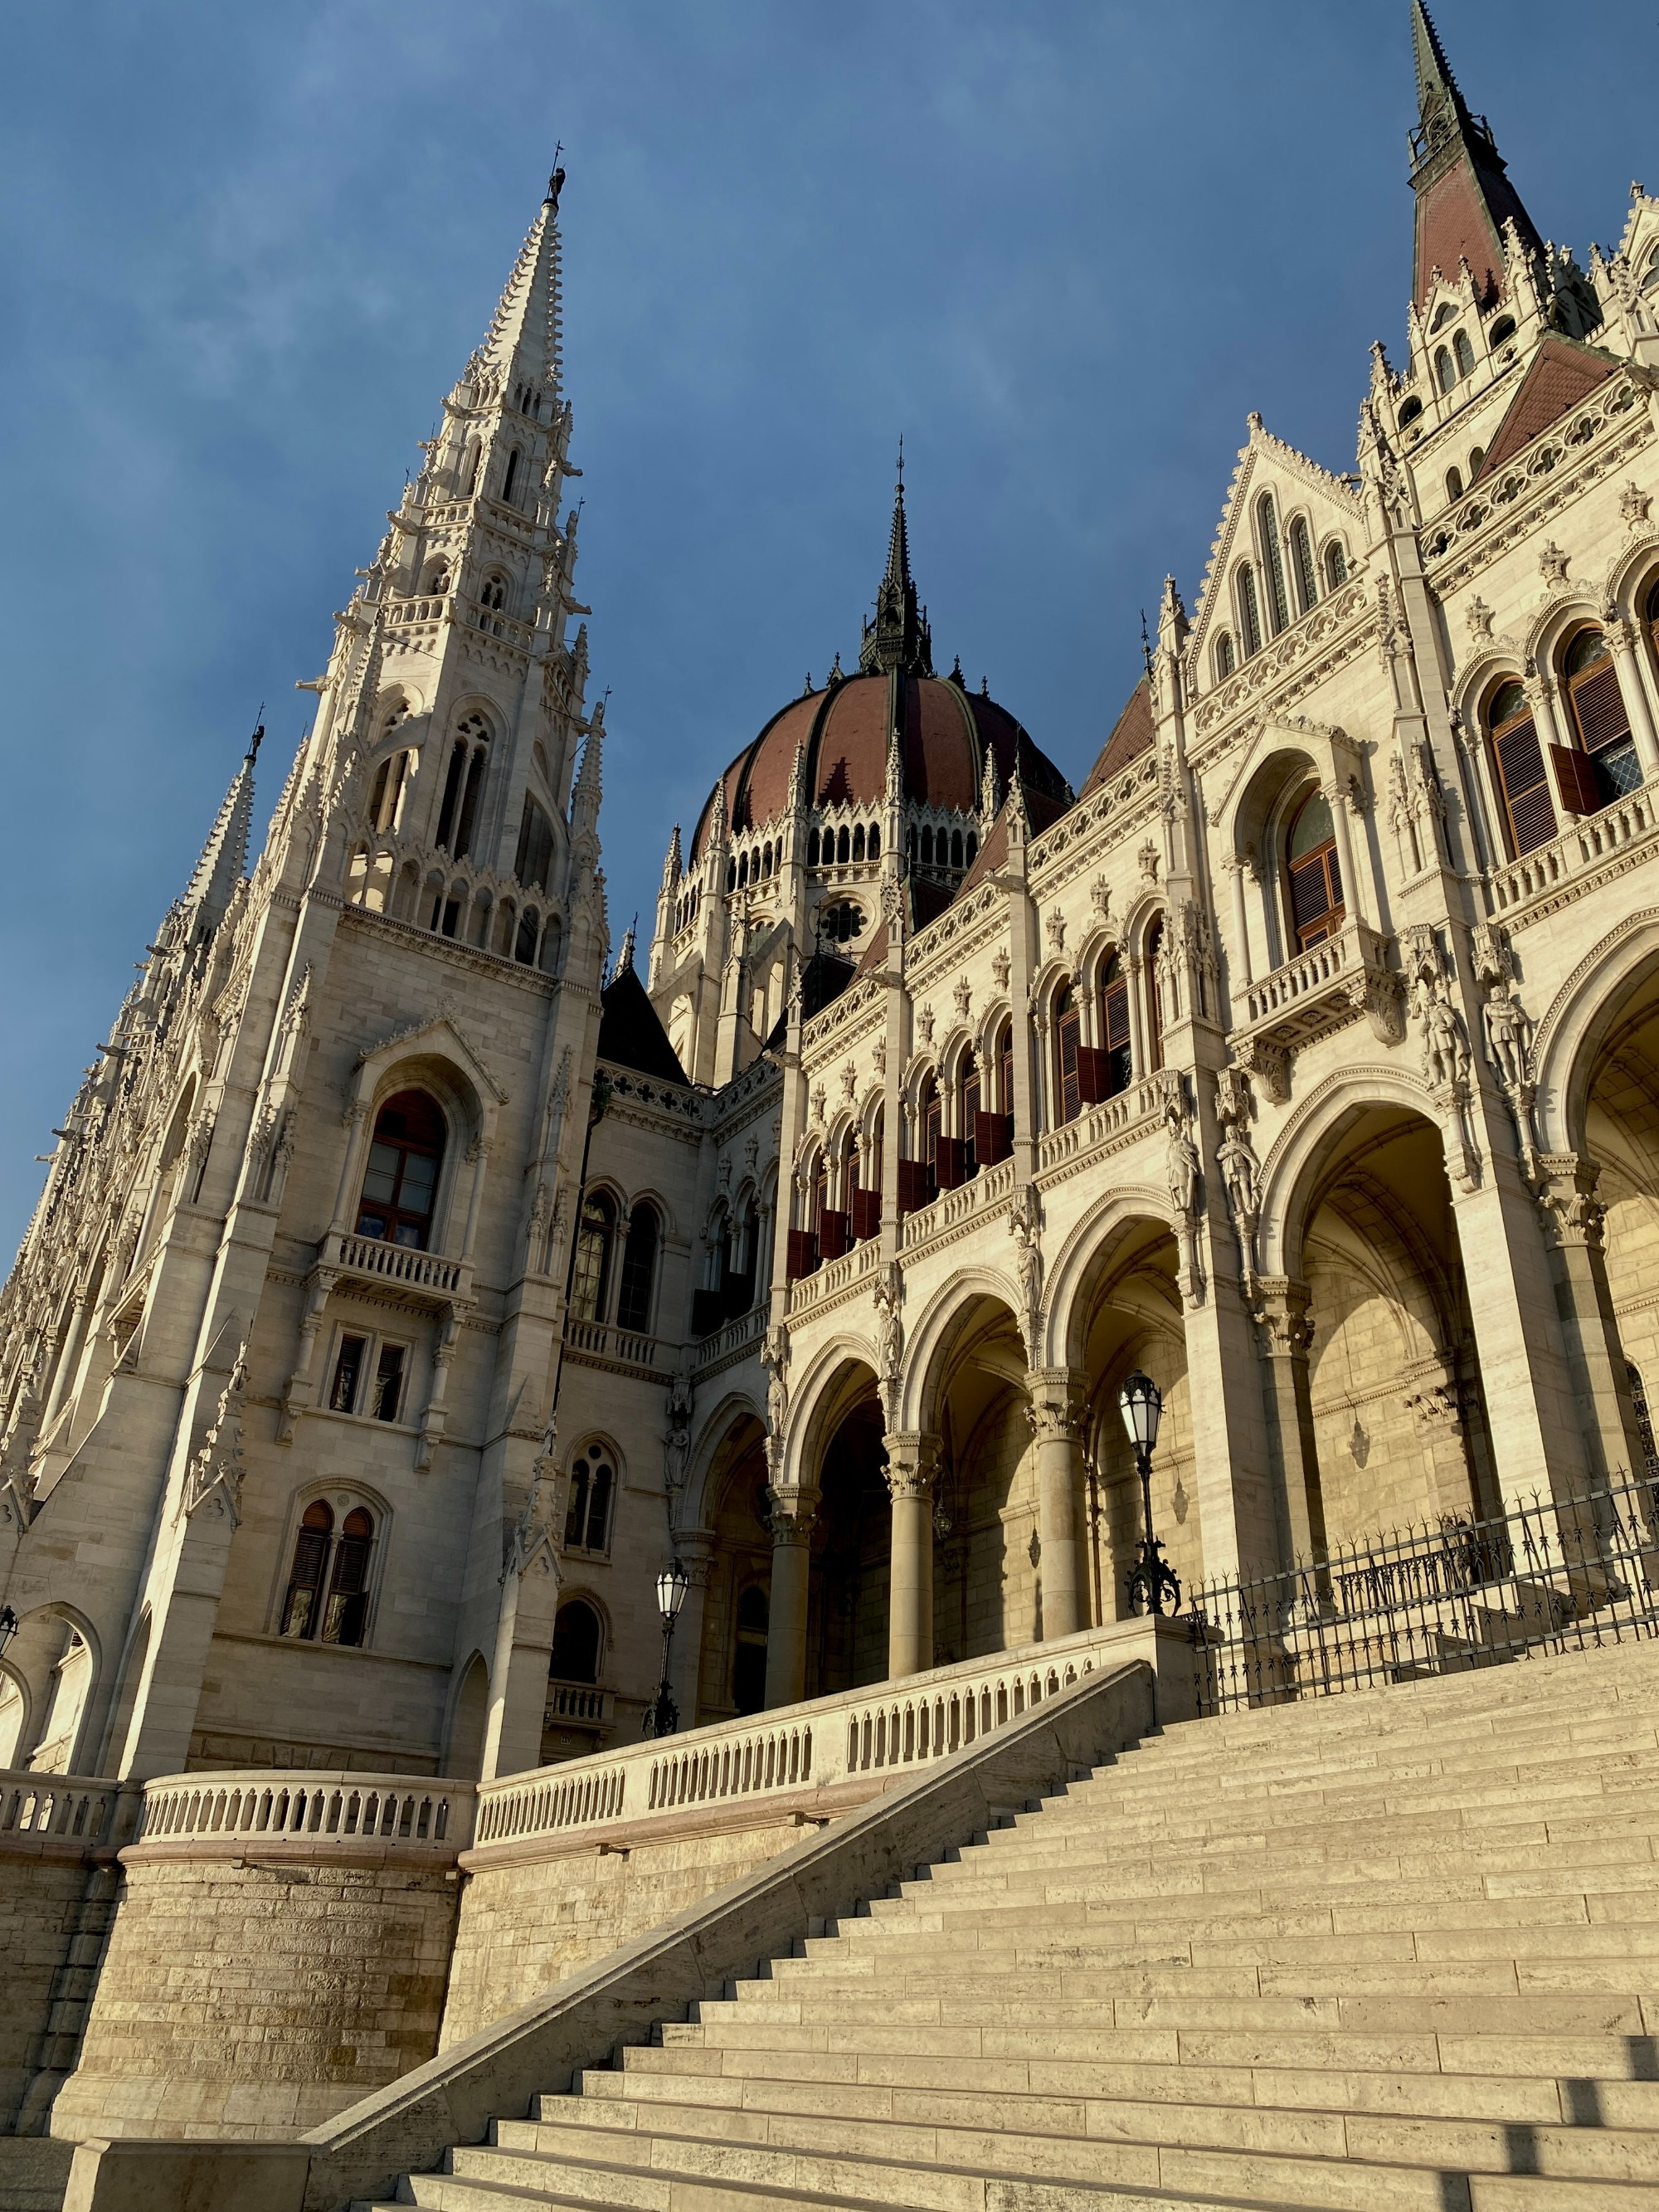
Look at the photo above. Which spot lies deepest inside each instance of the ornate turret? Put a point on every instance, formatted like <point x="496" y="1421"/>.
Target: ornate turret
<point x="898" y="639"/>
<point x="1464" y="196"/>
<point x="224" y="857"/>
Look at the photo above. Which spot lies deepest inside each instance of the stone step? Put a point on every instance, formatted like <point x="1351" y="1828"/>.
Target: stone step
<point x="1143" y="1780"/>
<point x="1115" y="2142"/>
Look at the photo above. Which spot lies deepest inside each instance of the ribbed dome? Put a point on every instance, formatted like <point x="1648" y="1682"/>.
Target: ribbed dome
<point x="946" y="731"/>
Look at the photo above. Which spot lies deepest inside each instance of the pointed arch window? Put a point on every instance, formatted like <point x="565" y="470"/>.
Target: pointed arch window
<point x="464" y="786"/>
<point x="1068" y="1036"/>
<point x="1453" y="483"/>
<point x="494" y="594"/>
<point x="588" y="1509"/>
<point x="1463" y="353"/>
<point x="1315" y="879"/>
<point x="534" y="853"/>
<point x="524" y="945"/>
<point x="1226" y="656"/>
<point x="1599" y="721"/>
<point x="386" y="798"/>
<point x="576" y="1643"/>
<point x="1115" y="1026"/>
<point x="1519" y="759"/>
<point x="510" y="478"/>
<point x="1302" y="565"/>
<point x="592" y="1285"/>
<point x="1336" y="565"/>
<point x="638" y="1271"/>
<point x="401" y="1181"/>
<point x="327" y="1600"/>
<point x="1250" y="610"/>
<point x="1273" y="562"/>
<point x="1445" y="375"/>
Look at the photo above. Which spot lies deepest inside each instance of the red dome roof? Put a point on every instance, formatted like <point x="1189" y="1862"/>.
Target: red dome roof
<point x="946" y="731"/>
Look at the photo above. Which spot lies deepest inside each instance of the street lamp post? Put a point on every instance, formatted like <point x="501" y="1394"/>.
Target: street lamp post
<point x="8" y="1626"/>
<point x="1152" y="1579"/>
<point x="663" y="1717"/>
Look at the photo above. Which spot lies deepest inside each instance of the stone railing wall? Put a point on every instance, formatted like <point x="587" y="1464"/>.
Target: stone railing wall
<point x="311" y="1808"/>
<point x="872" y="1736"/>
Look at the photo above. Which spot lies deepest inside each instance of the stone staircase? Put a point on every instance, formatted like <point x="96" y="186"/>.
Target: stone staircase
<point x="1399" y="1949"/>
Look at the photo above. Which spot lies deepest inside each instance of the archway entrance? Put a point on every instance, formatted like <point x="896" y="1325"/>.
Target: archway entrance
<point x="1620" y="1137"/>
<point x="1399" y="1432"/>
<point x="731" y="1672"/>
<point x="847" y="1622"/>
<point x="987" y="1564"/>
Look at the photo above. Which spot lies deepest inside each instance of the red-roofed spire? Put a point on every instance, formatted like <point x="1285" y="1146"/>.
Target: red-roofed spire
<point x="1464" y="195"/>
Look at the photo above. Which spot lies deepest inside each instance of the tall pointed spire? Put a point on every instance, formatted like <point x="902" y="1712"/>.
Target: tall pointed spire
<point x="522" y="346"/>
<point x="224" y="857"/>
<point x="1464" y="196"/>
<point x="899" y="637"/>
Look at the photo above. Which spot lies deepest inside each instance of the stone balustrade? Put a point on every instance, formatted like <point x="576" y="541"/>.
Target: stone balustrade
<point x="64" y="1811"/>
<point x="1136" y="1106"/>
<point x="402" y="1264"/>
<point x="394" y="1812"/>
<point x="1323" y="987"/>
<point x="604" y="1341"/>
<point x="1591" y="840"/>
<point x="872" y="1736"/>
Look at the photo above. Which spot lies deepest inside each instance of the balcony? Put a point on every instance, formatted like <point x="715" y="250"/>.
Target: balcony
<point x="1321" y="990"/>
<point x="426" y="1276"/>
<point x="602" y="1343"/>
<point x="1570" y="864"/>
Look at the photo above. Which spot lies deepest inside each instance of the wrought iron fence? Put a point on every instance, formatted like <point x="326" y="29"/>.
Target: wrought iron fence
<point x="1557" y="1575"/>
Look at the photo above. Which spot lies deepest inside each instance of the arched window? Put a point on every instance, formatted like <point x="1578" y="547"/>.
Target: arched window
<point x="588" y="1509"/>
<point x="1600" y="721"/>
<point x="930" y="1116"/>
<point x="872" y="851"/>
<point x="576" y="1653"/>
<point x="749" y="1657"/>
<point x="524" y="945"/>
<point x="972" y="846"/>
<point x="1225" y="658"/>
<point x="1250" y="610"/>
<point x="1445" y="374"/>
<point x="858" y="842"/>
<point x="638" y="1271"/>
<point x="1477" y="455"/>
<point x="534" y="853"/>
<point x="970" y="1103"/>
<point x="593" y="1279"/>
<point x="956" y="848"/>
<point x="1273" y="562"/>
<point x="401" y="1181"/>
<point x="386" y="799"/>
<point x="1443" y="315"/>
<point x="1154" y="1001"/>
<point x="463" y="786"/>
<point x="494" y="594"/>
<point x="1302" y="561"/>
<point x="1639" y="1399"/>
<point x="1464" y="353"/>
<point x="1006" y="1072"/>
<point x="1453" y="483"/>
<point x="1410" y="411"/>
<point x="731" y="875"/>
<point x="1315" y="879"/>
<point x="1115" y="1026"/>
<point x="327" y="1597"/>
<point x="509" y="480"/>
<point x="1336" y="565"/>
<point x="1068" y="1035"/>
<point x="926" y="847"/>
<point x="743" y="870"/>
<point x="812" y="848"/>
<point x="844" y="847"/>
<point x="473" y="460"/>
<point x="1519" y="761"/>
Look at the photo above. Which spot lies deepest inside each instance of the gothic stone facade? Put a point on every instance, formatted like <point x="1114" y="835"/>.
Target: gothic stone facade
<point x="405" y="1294"/>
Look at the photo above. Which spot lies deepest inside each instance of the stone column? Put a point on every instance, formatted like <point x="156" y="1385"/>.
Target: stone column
<point x="912" y="1465"/>
<point x="694" y="1548"/>
<point x="1287" y="1334"/>
<point x="1621" y="639"/>
<point x="1056" y="1411"/>
<point x="1573" y="1227"/>
<point x="792" y="1515"/>
<point x="1336" y="798"/>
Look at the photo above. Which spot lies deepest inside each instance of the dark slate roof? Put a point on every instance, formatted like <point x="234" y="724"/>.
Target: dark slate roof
<point x="630" y="1034"/>
<point x="1132" y="734"/>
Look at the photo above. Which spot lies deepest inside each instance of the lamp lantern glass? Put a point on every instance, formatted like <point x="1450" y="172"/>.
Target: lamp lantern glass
<point x="7" y="1625"/>
<point x="672" y="1583"/>
<point x="1142" y="1402"/>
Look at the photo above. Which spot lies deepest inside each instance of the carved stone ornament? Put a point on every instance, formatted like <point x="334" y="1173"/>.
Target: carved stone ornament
<point x="1635" y="506"/>
<point x="889" y="1295"/>
<point x="925" y="1023"/>
<point x="1478" y="617"/>
<point x="529" y="1541"/>
<point x="215" y="1474"/>
<point x="879" y="1055"/>
<point x="1149" y="857"/>
<point x="1100" y="892"/>
<point x="774" y="1360"/>
<point x="1025" y="1227"/>
<point x="849" y="1081"/>
<point x="820" y="1104"/>
<point x="962" y="996"/>
<point x="1055" y="927"/>
<point x="1000" y="966"/>
<point x="1553" y="566"/>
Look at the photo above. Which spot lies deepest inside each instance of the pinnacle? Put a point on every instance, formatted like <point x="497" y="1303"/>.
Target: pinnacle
<point x="1435" y="82"/>
<point x="522" y="345"/>
<point x="224" y="857"/>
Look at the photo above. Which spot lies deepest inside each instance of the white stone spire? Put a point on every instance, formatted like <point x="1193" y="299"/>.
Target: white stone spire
<point x="224" y="857"/>
<point x="522" y="345"/>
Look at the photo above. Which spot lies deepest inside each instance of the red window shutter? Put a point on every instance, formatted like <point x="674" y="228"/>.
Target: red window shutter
<point x="1117" y="1016"/>
<point x="1070" y="1097"/>
<point x="1599" y="706"/>
<point x="951" y="1163"/>
<point x="1094" y="1079"/>
<point x="1575" y="779"/>
<point x="802" y="1255"/>
<point x="993" y="1137"/>
<point x="915" y="1185"/>
<point x="1526" y="794"/>
<point x="866" y="1214"/>
<point x="833" y="1237"/>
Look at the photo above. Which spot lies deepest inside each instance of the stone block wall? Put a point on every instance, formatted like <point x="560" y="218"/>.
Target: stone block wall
<point x="253" y="1998"/>
<point x="529" y="1919"/>
<point x="41" y="1912"/>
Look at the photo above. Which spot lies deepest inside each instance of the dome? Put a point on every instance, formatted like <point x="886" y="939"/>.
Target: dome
<point x="946" y="730"/>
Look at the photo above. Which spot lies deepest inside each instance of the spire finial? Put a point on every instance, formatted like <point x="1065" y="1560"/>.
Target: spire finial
<point x="257" y="739"/>
<point x="898" y="639"/>
<point x="1449" y="139"/>
<point x="555" y="181"/>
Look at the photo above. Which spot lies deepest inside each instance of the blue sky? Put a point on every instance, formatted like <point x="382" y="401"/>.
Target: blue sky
<point x="1064" y="248"/>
